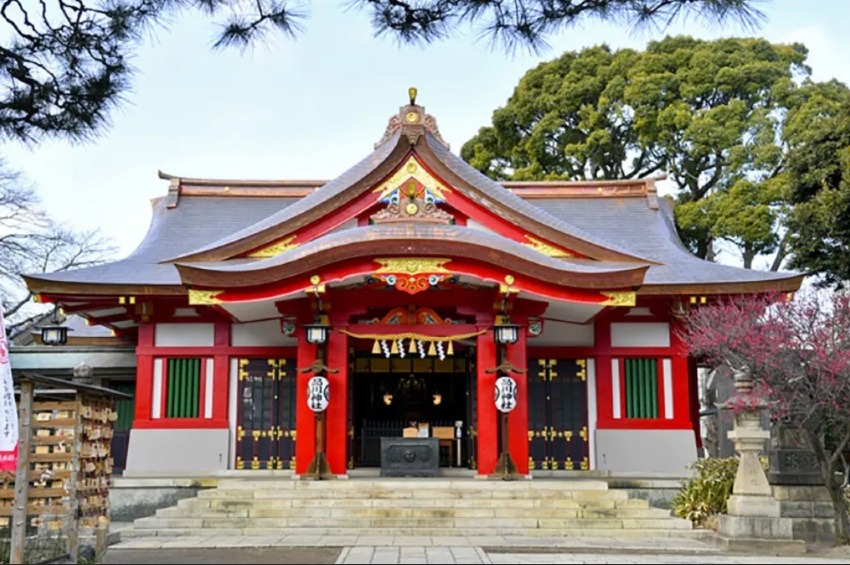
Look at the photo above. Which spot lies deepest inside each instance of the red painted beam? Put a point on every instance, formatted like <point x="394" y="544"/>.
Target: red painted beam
<point x="228" y="351"/>
<point x="436" y="330"/>
<point x="366" y="267"/>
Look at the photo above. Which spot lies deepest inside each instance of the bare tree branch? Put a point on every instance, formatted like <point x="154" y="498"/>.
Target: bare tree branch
<point x="33" y="243"/>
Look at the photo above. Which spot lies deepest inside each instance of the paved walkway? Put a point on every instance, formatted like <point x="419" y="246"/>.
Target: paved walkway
<point x="659" y="545"/>
<point x="631" y="558"/>
<point x="496" y="550"/>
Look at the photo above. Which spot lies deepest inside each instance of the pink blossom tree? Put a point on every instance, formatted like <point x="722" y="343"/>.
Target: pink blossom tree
<point x="798" y="354"/>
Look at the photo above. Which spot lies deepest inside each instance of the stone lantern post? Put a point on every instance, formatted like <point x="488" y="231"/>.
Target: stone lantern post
<point x="753" y="521"/>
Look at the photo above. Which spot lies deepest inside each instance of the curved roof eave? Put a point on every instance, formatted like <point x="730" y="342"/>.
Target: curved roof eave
<point x="412" y="240"/>
<point x="230" y="245"/>
<point x="39" y="285"/>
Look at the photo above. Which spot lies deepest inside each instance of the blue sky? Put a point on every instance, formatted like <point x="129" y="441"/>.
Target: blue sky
<point x="311" y="107"/>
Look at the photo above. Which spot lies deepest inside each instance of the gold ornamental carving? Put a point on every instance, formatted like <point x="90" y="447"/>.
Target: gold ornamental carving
<point x="412" y="169"/>
<point x="204" y="296"/>
<point x="413" y="121"/>
<point x="412" y="274"/>
<point x="545" y="248"/>
<point x="619" y="298"/>
<point x="412" y="265"/>
<point x="275" y="249"/>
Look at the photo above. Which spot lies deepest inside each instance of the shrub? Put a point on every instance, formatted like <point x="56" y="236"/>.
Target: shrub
<point x="706" y="493"/>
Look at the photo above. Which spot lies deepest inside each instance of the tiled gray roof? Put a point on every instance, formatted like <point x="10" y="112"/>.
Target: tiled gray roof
<point x="416" y="232"/>
<point x="327" y="192"/>
<point x="625" y="224"/>
<point x="632" y="224"/>
<point x="174" y="231"/>
<point x="497" y="192"/>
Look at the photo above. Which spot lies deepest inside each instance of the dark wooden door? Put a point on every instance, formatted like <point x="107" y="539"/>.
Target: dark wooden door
<point x="121" y="433"/>
<point x="265" y="431"/>
<point x="557" y="414"/>
<point x="471" y="433"/>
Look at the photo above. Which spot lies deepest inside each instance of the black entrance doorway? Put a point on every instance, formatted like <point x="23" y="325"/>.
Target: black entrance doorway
<point x="391" y="394"/>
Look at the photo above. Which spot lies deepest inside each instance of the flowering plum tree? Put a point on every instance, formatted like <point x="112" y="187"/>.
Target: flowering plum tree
<point x="798" y="354"/>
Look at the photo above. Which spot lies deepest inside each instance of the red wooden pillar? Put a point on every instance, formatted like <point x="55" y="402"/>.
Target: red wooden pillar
<point x="144" y="374"/>
<point x="336" y="436"/>
<point x="305" y="419"/>
<point x="488" y="449"/>
<point x="684" y="381"/>
<point x="518" y="418"/>
<point x="221" y="371"/>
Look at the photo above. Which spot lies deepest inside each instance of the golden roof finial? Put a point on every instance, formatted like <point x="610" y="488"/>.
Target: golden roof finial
<point x="412" y="93"/>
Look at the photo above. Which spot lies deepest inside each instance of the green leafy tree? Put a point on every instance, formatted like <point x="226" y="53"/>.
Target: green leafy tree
<point x="818" y="177"/>
<point x="567" y="119"/>
<point x="712" y="114"/>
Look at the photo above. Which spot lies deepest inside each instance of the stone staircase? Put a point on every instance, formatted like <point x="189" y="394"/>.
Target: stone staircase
<point x="414" y="507"/>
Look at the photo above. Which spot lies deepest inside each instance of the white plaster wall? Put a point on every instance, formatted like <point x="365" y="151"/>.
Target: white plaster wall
<point x="184" y="335"/>
<point x="591" y="409"/>
<point x="265" y="333"/>
<point x="177" y="450"/>
<point x="232" y="408"/>
<point x="651" y="334"/>
<point x="561" y="334"/>
<point x="649" y="451"/>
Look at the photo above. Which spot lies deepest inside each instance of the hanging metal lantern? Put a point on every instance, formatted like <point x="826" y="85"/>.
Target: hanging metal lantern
<point x="505" y="394"/>
<point x="506" y="333"/>
<point x="317" y="332"/>
<point x="318" y="393"/>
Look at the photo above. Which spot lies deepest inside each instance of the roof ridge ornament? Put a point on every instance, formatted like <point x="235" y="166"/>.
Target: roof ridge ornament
<point x="413" y="122"/>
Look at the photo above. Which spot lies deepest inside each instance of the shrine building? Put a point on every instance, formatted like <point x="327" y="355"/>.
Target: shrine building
<point x="411" y="283"/>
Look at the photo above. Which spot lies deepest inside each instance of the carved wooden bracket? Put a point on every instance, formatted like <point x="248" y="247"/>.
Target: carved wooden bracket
<point x="505" y="368"/>
<point x="317" y="366"/>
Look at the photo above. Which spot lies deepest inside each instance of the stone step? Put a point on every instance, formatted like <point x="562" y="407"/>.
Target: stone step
<point x="404" y="484"/>
<point x="277" y="507"/>
<point x="235" y="506"/>
<point x="412" y="522"/>
<point x="324" y="512"/>
<point x="410" y="503"/>
<point x="422" y="493"/>
<point x="320" y="531"/>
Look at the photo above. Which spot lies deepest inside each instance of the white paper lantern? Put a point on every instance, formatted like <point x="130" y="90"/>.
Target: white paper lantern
<point x="505" y="394"/>
<point x="318" y="393"/>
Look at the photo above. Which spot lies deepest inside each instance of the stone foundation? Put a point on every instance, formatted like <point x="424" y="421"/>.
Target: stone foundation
<point x="130" y="499"/>
<point x="810" y="510"/>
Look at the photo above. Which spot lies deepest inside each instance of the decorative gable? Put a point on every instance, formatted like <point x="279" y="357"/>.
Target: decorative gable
<point x="415" y="198"/>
